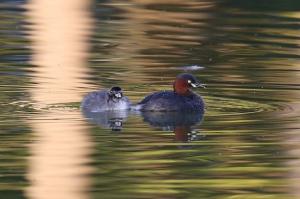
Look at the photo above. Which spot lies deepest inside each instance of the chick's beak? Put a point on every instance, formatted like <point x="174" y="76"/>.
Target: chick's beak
<point x="118" y="95"/>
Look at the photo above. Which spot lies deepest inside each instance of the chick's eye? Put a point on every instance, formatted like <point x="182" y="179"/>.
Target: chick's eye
<point x="189" y="81"/>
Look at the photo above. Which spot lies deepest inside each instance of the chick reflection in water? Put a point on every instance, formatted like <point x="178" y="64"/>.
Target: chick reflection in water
<point x="179" y="122"/>
<point x="111" y="119"/>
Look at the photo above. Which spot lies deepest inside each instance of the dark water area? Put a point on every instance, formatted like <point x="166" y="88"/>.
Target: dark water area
<point x="245" y="145"/>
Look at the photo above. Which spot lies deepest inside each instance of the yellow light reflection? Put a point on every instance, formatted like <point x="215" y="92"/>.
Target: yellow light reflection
<point x="58" y="166"/>
<point x="59" y="35"/>
<point x="292" y="141"/>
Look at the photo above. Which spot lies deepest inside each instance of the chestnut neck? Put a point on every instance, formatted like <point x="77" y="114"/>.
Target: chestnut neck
<point x="181" y="87"/>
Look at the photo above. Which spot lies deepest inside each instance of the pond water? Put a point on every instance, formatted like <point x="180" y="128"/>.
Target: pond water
<point x="246" y="145"/>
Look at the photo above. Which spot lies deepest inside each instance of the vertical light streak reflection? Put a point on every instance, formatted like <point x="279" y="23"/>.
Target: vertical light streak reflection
<point x="59" y="35"/>
<point x="58" y="166"/>
<point x="292" y="141"/>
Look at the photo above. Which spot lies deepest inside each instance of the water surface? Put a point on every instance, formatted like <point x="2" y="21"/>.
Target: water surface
<point x="246" y="145"/>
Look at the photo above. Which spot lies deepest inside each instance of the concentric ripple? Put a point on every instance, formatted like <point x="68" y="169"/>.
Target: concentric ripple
<point x="227" y="106"/>
<point x="215" y="106"/>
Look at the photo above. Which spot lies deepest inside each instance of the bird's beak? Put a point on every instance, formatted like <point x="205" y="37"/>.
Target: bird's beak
<point x="118" y="95"/>
<point x="198" y="85"/>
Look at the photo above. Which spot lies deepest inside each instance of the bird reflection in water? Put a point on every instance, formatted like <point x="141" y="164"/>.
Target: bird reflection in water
<point x="108" y="119"/>
<point x="179" y="122"/>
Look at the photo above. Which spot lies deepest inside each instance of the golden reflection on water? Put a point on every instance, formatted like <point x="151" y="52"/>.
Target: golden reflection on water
<point x="59" y="34"/>
<point x="58" y="166"/>
<point x="151" y="29"/>
<point x="58" y="162"/>
<point x="292" y="141"/>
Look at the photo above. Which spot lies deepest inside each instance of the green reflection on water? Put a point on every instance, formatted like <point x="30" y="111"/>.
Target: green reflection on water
<point x="14" y="133"/>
